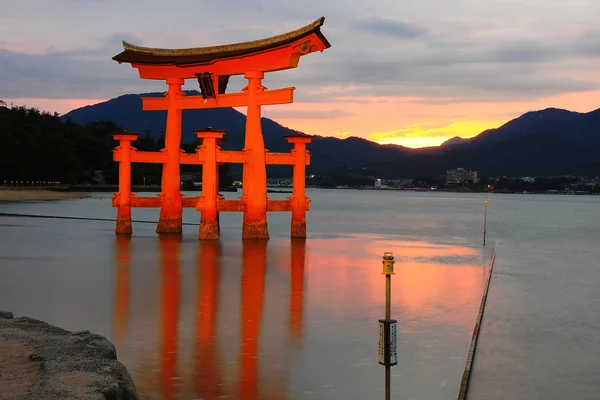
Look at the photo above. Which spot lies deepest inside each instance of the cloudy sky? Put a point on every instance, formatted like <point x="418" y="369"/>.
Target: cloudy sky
<point x="410" y="72"/>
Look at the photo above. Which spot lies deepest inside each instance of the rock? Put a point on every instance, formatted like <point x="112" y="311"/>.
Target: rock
<point x="106" y="348"/>
<point x="36" y="357"/>
<point x="74" y="365"/>
<point x="6" y="314"/>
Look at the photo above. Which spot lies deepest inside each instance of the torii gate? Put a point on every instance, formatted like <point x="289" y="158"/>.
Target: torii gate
<point x="212" y="67"/>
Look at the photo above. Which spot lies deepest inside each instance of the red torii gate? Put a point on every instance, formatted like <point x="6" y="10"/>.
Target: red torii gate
<point x="213" y="66"/>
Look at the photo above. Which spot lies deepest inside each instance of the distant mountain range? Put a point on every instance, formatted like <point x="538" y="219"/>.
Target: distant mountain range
<point x="547" y="142"/>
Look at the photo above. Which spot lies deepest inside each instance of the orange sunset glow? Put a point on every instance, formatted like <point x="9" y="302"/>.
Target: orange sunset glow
<point x="413" y="123"/>
<point x="405" y="122"/>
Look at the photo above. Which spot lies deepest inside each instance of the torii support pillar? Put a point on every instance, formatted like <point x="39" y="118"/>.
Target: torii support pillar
<point x="209" y="223"/>
<point x="220" y="142"/>
<point x="123" y="197"/>
<point x="298" y="198"/>
<point x="171" y="204"/>
<point x="255" y="169"/>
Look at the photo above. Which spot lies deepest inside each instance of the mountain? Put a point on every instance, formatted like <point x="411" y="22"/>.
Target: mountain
<point x="579" y="128"/>
<point x="546" y="142"/>
<point x="328" y="153"/>
<point x="455" y="141"/>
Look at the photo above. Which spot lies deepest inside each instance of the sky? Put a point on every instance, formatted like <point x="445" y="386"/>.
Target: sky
<point x="407" y="72"/>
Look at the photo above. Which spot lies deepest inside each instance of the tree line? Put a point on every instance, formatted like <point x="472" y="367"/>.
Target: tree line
<point x="40" y="146"/>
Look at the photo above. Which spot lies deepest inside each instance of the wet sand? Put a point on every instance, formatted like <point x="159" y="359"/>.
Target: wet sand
<point x="19" y="375"/>
<point x="39" y="195"/>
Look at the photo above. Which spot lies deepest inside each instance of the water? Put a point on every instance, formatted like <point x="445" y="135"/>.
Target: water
<point x="298" y="320"/>
<point x="539" y="338"/>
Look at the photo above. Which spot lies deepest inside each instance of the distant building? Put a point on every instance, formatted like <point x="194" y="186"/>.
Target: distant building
<point x="378" y="184"/>
<point x="461" y="175"/>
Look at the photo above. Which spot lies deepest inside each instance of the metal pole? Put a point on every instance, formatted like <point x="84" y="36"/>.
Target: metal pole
<point x="388" y="270"/>
<point x="388" y="371"/>
<point x="388" y="297"/>
<point x="388" y="316"/>
<point x="485" y="205"/>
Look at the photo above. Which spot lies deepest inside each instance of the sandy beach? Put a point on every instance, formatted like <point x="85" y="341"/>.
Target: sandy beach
<point x="20" y="375"/>
<point x="35" y="194"/>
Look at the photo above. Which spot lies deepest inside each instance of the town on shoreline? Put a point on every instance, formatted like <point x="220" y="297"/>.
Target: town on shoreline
<point x="553" y="185"/>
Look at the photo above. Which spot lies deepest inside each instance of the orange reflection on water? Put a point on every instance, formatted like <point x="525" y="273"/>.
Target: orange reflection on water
<point x="254" y="258"/>
<point x="298" y="262"/>
<point x="169" y="305"/>
<point x="206" y="377"/>
<point x="429" y="277"/>
<point x="122" y="255"/>
<point x="405" y="249"/>
<point x="418" y="287"/>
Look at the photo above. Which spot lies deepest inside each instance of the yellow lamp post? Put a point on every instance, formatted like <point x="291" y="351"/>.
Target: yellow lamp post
<point x="485" y="207"/>
<point x="388" y="326"/>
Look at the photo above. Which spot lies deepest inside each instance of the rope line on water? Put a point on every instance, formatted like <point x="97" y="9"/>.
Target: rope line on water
<point x="81" y="218"/>
<point x="464" y="384"/>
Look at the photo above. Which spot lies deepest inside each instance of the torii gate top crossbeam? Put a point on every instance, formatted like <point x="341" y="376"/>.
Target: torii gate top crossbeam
<point x="271" y="54"/>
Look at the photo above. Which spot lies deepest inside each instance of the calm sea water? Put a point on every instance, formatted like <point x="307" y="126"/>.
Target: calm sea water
<point x="298" y="319"/>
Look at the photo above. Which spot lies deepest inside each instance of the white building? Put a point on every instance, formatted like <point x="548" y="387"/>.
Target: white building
<point x="461" y="175"/>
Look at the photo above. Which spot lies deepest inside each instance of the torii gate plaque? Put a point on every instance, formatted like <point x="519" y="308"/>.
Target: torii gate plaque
<point x="212" y="67"/>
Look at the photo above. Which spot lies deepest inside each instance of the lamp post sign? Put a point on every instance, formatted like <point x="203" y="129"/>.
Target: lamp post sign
<point x="387" y="342"/>
<point x="388" y="328"/>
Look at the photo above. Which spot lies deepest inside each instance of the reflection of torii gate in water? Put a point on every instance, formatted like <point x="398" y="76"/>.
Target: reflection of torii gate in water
<point x="208" y="375"/>
<point x="213" y="66"/>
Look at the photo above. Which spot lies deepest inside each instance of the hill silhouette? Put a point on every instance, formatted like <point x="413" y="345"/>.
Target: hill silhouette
<point x="547" y="142"/>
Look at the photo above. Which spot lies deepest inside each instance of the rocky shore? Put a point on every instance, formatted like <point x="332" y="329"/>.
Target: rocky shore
<point x="40" y="361"/>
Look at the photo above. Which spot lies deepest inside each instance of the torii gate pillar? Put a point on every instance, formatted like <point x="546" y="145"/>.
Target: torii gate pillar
<point x="255" y="169"/>
<point x="123" y="197"/>
<point x="209" y="220"/>
<point x="298" y="199"/>
<point x="171" y="208"/>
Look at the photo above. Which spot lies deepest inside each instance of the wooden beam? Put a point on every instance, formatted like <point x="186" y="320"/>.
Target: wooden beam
<point x="223" y="156"/>
<point x="155" y="157"/>
<point x="197" y="203"/>
<point x="284" y="158"/>
<point x="268" y="97"/>
<point x="231" y="156"/>
<point x="190" y="159"/>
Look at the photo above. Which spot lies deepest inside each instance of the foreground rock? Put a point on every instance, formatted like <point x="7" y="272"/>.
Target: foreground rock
<point x="40" y="361"/>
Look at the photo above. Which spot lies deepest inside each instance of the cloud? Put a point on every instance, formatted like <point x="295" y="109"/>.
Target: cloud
<point x="588" y="43"/>
<point x="307" y="114"/>
<point x="63" y="75"/>
<point x="465" y="71"/>
<point x="389" y="27"/>
<point x="454" y="60"/>
<point x="116" y="39"/>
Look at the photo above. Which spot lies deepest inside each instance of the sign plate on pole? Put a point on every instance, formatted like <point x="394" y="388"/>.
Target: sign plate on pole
<point x="388" y="336"/>
<point x="381" y="342"/>
<point x="393" y="341"/>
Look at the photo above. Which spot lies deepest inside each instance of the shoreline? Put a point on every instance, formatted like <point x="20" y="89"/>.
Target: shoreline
<point x="17" y="195"/>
